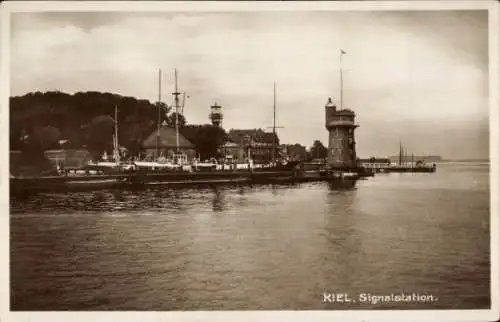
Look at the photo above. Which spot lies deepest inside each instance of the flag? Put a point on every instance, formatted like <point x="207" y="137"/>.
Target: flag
<point x="342" y="52"/>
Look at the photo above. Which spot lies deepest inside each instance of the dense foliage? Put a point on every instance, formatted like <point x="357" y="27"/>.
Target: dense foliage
<point x="40" y="121"/>
<point x="296" y="152"/>
<point x="206" y="139"/>
<point x="318" y="150"/>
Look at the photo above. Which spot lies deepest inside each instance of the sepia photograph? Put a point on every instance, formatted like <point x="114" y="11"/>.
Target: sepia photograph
<point x="323" y="157"/>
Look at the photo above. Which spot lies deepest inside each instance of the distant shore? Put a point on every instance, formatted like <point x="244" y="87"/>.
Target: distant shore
<point x="464" y="160"/>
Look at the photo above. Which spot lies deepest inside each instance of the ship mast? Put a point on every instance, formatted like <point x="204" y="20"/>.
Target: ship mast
<point x="159" y="116"/>
<point x="176" y="100"/>
<point x="116" y="146"/>
<point x="274" y="127"/>
<point x="400" y="153"/>
<point x="274" y="124"/>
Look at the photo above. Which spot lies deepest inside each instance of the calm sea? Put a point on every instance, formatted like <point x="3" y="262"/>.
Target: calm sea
<point x="267" y="247"/>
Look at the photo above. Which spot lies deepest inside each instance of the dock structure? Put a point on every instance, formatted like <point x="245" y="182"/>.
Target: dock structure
<point x="121" y="179"/>
<point x="409" y="166"/>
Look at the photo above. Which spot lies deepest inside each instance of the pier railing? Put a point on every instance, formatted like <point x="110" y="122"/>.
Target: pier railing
<point x="395" y="166"/>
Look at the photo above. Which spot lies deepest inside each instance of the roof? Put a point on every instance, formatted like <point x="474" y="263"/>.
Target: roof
<point x="256" y="135"/>
<point x="168" y="139"/>
<point x="345" y="112"/>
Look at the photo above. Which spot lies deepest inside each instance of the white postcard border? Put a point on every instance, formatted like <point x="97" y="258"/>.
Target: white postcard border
<point x="221" y="6"/>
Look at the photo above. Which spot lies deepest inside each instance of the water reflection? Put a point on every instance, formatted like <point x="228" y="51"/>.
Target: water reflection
<point x="343" y="256"/>
<point x="97" y="197"/>
<point x="118" y="196"/>
<point x="218" y="199"/>
<point x="342" y="185"/>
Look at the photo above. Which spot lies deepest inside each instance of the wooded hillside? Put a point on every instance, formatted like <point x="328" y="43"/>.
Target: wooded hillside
<point x="39" y="121"/>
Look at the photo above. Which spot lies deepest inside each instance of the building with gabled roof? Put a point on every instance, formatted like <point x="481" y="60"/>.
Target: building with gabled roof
<point x="167" y="143"/>
<point x="256" y="141"/>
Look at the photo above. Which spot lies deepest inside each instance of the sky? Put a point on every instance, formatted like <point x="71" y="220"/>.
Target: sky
<point x="416" y="76"/>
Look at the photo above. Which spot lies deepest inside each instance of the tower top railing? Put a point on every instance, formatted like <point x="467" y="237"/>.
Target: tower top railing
<point x="215" y="106"/>
<point x="338" y="123"/>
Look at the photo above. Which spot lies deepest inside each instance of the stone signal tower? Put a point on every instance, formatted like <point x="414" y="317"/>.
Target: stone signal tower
<point x="216" y="115"/>
<point x="341" y="144"/>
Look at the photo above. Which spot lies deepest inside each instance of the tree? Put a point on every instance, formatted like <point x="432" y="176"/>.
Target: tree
<point x="318" y="150"/>
<point x="172" y="119"/>
<point x="47" y="136"/>
<point x="99" y="135"/>
<point x="132" y="134"/>
<point x="83" y="119"/>
<point x="31" y="149"/>
<point x="16" y="136"/>
<point x="164" y="108"/>
<point x="296" y="152"/>
<point x="206" y="138"/>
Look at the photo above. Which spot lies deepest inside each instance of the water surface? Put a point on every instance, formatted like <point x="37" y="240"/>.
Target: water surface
<point x="260" y="247"/>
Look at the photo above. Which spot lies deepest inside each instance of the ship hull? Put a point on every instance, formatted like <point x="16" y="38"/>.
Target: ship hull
<point x="25" y="186"/>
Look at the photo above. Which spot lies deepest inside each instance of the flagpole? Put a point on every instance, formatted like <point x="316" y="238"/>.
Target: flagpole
<point x="176" y="112"/>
